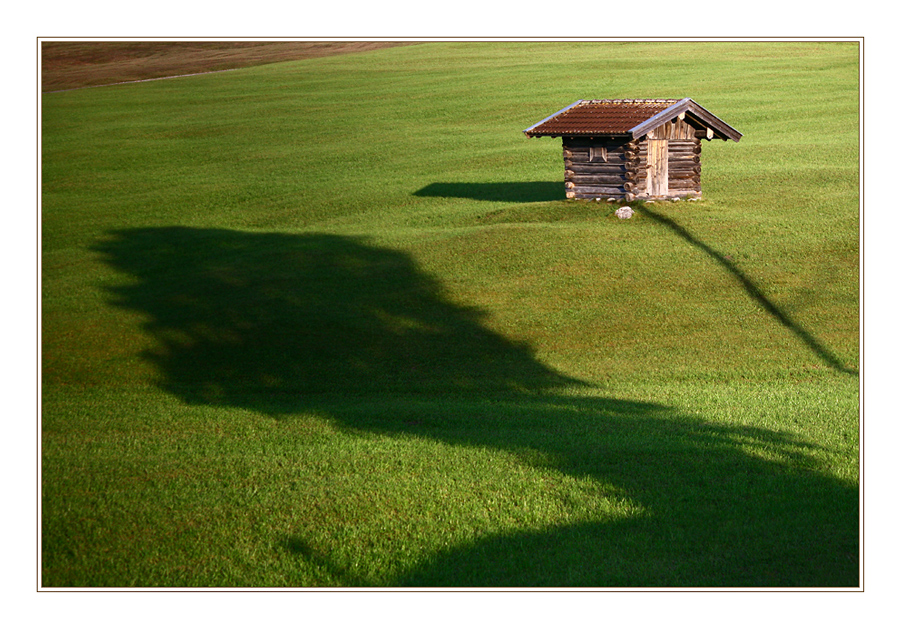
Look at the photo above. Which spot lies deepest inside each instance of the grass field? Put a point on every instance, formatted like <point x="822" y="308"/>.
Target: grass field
<point x="332" y="323"/>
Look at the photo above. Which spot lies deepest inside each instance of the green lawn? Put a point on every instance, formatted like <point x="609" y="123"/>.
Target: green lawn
<point x="333" y="323"/>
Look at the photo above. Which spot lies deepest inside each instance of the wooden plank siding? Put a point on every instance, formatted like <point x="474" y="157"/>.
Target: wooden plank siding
<point x="682" y="167"/>
<point x="674" y="130"/>
<point x="657" y="168"/>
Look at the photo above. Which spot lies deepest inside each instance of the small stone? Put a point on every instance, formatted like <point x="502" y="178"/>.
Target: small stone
<point x="624" y="213"/>
<point x="610" y="200"/>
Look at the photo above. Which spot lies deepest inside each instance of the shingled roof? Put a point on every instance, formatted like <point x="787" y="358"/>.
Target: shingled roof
<point x="627" y="117"/>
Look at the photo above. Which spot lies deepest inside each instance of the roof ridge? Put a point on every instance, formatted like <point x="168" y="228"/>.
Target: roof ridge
<point x="630" y="100"/>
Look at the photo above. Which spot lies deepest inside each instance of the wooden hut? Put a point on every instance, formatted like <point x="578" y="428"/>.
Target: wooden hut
<point x="628" y="149"/>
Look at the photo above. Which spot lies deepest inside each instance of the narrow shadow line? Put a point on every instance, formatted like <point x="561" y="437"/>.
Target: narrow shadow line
<point x="754" y="292"/>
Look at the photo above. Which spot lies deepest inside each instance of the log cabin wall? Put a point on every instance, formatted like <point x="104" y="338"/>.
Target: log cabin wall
<point x="684" y="168"/>
<point x="598" y="167"/>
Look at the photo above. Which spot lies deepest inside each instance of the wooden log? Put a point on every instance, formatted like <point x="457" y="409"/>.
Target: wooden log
<point x="590" y="196"/>
<point x="681" y="174"/>
<point x="684" y="177"/>
<point x="586" y="152"/>
<point x="685" y="151"/>
<point x="598" y="168"/>
<point x="684" y="174"/>
<point x="599" y="190"/>
<point x="684" y="156"/>
<point x="684" y="163"/>
<point x="595" y="180"/>
<point x="681" y="182"/>
<point x="611" y="160"/>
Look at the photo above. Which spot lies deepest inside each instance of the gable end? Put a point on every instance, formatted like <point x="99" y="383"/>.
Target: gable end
<point x="689" y="110"/>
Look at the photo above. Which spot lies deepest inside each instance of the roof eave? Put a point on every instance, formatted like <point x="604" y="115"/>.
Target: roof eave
<point x="527" y="131"/>
<point x="578" y="134"/>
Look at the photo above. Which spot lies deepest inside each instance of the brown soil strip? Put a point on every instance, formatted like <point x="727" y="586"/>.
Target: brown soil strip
<point x="74" y="64"/>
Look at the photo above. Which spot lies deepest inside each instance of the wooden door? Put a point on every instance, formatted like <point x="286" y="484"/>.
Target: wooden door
<point x="657" y="167"/>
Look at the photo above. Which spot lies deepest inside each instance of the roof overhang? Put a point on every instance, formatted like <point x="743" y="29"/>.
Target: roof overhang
<point x="550" y="117"/>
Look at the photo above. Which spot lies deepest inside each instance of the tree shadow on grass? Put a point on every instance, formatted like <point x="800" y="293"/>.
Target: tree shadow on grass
<point x="289" y="316"/>
<point x="281" y="323"/>
<point x="510" y="192"/>
<point x="707" y="505"/>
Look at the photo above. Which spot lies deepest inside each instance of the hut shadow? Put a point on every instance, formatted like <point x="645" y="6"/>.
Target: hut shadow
<point x="508" y="192"/>
<point x="754" y="292"/>
<point x="281" y="323"/>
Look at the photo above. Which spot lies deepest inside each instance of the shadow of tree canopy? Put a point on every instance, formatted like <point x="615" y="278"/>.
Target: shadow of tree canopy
<point x="714" y="511"/>
<point x="510" y="192"/>
<point x="236" y="313"/>
<point x="280" y="323"/>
